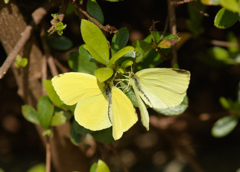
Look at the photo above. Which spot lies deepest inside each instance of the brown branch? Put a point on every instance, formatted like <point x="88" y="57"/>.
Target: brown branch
<point x="165" y="28"/>
<point x="173" y="30"/>
<point x="60" y="66"/>
<point x="48" y="154"/>
<point x="118" y="157"/>
<point x="37" y="16"/>
<point x="107" y="28"/>
<point x="222" y="43"/>
<point x="181" y="2"/>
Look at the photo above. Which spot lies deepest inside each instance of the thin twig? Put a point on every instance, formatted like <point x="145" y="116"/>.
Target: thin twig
<point x="118" y="157"/>
<point x="181" y="2"/>
<point x="107" y="28"/>
<point x="200" y="11"/>
<point x="60" y="66"/>
<point x="48" y="154"/>
<point x="222" y="43"/>
<point x="173" y="30"/>
<point x="165" y="28"/>
<point x="37" y="15"/>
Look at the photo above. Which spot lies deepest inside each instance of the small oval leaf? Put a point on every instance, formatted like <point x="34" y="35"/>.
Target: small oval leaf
<point x="75" y="137"/>
<point x="95" y="11"/>
<point x="30" y="114"/>
<point x="102" y="166"/>
<point x="60" y="117"/>
<point x="119" y="40"/>
<point x="103" y="74"/>
<point x="45" y="111"/>
<point x="61" y="43"/>
<point x="224" y="126"/>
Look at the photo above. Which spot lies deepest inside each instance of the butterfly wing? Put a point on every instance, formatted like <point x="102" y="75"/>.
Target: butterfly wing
<point x="123" y="113"/>
<point x="164" y="87"/>
<point x="141" y="105"/>
<point x="92" y="105"/>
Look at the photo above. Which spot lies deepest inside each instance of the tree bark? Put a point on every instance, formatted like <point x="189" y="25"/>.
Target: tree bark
<point x="65" y="156"/>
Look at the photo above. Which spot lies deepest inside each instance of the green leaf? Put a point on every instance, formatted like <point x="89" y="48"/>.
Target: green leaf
<point x="231" y="5"/>
<point x="75" y="137"/>
<point x="177" y="110"/>
<point x="70" y="9"/>
<point x="224" y="126"/>
<point x="102" y="166"/>
<point x="85" y="54"/>
<point x="79" y="64"/>
<point x="226" y="104"/>
<point x="146" y="56"/>
<point x="80" y="129"/>
<point x="55" y="16"/>
<point x="94" y="167"/>
<point x="60" y="43"/>
<point x="24" y="62"/>
<point x="231" y="37"/>
<point x="45" y="111"/>
<point x="225" y="19"/>
<point x="126" y="64"/>
<point x="119" y="40"/>
<point x="47" y="132"/>
<point x="30" y="114"/>
<point x="38" y="168"/>
<point x="120" y="53"/>
<point x="52" y="93"/>
<point x="95" y="11"/>
<point x="96" y="41"/>
<point x="60" y="117"/>
<point x="103" y="74"/>
<point x="103" y="136"/>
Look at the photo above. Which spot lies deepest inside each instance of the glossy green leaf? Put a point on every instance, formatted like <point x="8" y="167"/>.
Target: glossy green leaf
<point x="60" y="117"/>
<point x="61" y="43"/>
<point x="96" y="41"/>
<point x="102" y="166"/>
<point x="95" y="11"/>
<point x="225" y="18"/>
<point x="45" y="111"/>
<point x="224" y="126"/>
<point x="24" y="62"/>
<point x="177" y="110"/>
<point x="231" y="37"/>
<point x="79" y="64"/>
<point x="119" y="40"/>
<point x="103" y="74"/>
<point x="30" y="114"/>
<point x="210" y="2"/>
<point x="93" y="167"/>
<point x="120" y="53"/>
<point x="38" y="168"/>
<point x="75" y="137"/>
<point x="85" y="54"/>
<point x="103" y="136"/>
<point x="231" y="5"/>
<point x="80" y="129"/>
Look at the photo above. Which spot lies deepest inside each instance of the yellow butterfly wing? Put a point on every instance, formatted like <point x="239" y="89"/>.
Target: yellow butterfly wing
<point x="123" y="113"/>
<point x="92" y="105"/>
<point x="141" y="105"/>
<point x="162" y="87"/>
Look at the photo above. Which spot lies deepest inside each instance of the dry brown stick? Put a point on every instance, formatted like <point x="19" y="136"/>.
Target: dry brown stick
<point x="107" y="28"/>
<point x="173" y="30"/>
<point x="200" y="11"/>
<point x="60" y="66"/>
<point x="118" y="157"/>
<point x="165" y="28"/>
<point x="37" y="17"/>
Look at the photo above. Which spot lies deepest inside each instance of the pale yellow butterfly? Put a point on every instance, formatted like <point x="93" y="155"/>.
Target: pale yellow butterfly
<point x="99" y="105"/>
<point x="159" y="88"/>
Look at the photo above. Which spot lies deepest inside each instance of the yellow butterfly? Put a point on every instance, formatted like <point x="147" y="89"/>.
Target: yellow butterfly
<point x="99" y="105"/>
<point x="159" y="88"/>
